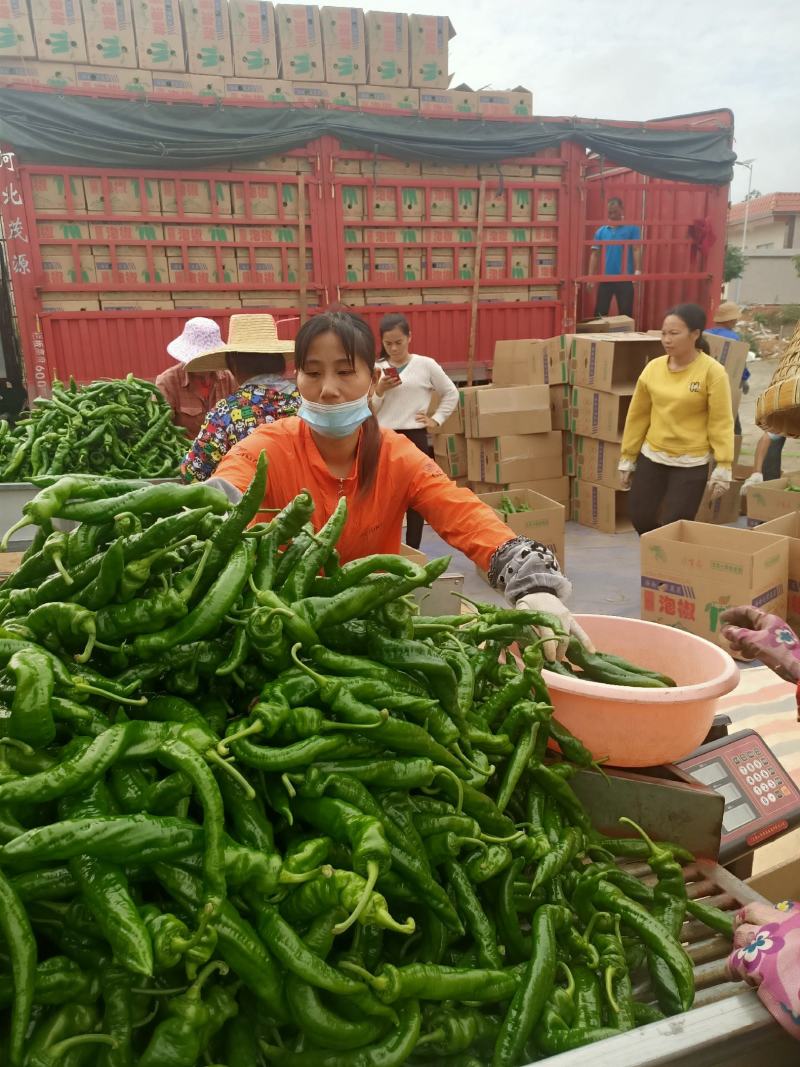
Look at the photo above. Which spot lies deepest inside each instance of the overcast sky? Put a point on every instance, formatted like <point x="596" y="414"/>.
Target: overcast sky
<point x="641" y="59"/>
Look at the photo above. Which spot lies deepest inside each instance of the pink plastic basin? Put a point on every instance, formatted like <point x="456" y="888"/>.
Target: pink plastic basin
<point x="645" y="727"/>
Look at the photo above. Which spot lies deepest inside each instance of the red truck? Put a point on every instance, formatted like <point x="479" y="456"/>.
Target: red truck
<point x="108" y="259"/>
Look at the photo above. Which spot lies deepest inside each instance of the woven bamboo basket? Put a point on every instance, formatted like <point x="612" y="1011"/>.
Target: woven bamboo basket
<point x="778" y="407"/>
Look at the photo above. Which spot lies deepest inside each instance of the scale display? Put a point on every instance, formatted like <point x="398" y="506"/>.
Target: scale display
<point x="761" y="800"/>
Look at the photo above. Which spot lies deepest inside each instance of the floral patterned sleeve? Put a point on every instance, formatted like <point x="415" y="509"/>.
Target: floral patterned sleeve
<point x="230" y="421"/>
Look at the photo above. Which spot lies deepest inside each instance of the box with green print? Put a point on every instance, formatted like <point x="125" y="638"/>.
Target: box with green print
<point x="531" y="515"/>
<point x="692" y="571"/>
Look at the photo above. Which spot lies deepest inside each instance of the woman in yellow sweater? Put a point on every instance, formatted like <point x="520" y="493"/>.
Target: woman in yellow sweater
<point x="680" y="419"/>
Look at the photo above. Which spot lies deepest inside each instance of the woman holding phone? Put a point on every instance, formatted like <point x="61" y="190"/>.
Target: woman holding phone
<point x="403" y="396"/>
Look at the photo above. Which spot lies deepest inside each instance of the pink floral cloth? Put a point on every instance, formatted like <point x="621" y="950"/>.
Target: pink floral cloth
<point x="756" y="635"/>
<point x="766" y="955"/>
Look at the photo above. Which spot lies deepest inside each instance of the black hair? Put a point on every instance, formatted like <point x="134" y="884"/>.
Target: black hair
<point x="695" y="319"/>
<point x="394" y="321"/>
<point x="615" y="200"/>
<point x="358" y="342"/>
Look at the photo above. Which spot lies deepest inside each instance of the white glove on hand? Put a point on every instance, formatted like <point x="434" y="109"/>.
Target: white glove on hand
<point x="754" y="479"/>
<point x="625" y="479"/>
<point x="718" y="489"/>
<point x="557" y="647"/>
<point x="231" y="492"/>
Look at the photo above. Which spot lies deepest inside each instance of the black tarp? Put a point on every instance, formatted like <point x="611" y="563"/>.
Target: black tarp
<point x="83" y="131"/>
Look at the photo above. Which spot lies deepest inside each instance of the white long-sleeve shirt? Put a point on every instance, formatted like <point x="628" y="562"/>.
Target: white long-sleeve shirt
<point x="421" y="377"/>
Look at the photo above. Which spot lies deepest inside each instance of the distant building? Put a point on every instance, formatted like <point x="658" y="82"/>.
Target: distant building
<point x="772" y="244"/>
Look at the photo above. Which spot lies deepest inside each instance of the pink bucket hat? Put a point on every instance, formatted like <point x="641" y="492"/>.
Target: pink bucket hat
<point x="200" y="337"/>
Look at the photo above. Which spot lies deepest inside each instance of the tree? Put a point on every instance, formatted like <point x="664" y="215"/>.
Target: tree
<point x="796" y="262"/>
<point x="734" y="263"/>
<point x="753" y="194"/>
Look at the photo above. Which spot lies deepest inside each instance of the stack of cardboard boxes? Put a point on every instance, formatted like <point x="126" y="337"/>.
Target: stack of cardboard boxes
<point x="604" y="369"/>
<point x="242" y="51"/>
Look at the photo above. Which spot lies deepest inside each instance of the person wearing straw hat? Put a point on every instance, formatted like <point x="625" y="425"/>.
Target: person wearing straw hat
<point x="726" y="317"/>
<point x="255" y="355"/>
<point x="188" y="389"/>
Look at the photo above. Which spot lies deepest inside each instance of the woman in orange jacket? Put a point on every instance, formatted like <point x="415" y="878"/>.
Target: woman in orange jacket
<point x="335" y="448"/>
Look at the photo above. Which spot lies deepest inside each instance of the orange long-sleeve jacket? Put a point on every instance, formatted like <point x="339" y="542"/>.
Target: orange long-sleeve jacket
<point x="405" y="478"/>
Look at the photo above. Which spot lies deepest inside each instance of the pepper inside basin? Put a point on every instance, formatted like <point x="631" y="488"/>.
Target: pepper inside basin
<point x="645" y="727"/>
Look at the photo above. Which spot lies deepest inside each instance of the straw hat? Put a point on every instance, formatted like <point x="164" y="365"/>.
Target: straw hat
<point x="728" y="312"/>
<point x="256" y="334"/>
<point x="200" y="337"/>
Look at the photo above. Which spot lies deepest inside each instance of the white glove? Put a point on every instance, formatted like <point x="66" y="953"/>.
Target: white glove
<point x="231" y="492"/>
<point x="718" y="489"/>
<point x="557" y="647"/>
<point x="755" y="479"/>
<point x="625" y="479"/>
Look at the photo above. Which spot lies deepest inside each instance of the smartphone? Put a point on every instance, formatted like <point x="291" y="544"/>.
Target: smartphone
<point x="392" y="373"/>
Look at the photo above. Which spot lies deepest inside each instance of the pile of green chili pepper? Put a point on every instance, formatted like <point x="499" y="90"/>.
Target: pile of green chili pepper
<point x="606" y="668"/>
<point x="255" y="809"/>
<point x="120" y="427"/>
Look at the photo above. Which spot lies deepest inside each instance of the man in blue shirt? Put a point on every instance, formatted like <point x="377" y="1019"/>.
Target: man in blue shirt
<point x="726" y="317"/>
<point x="608" y="260"/>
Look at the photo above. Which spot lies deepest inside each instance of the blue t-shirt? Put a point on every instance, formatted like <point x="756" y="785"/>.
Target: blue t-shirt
<point x="612" y="254"/>
<point x="723" y="331"/>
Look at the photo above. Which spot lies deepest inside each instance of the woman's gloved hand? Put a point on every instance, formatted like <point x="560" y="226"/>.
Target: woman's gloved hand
<point x="231" y="492"/>
<point x="754" y="479"/>
<point x="756" y="635"/>
<point x="625" y="479"/>
<point x="717" y="489"/>
<point x="557" y="647"/>
<point x="766" y="955"/>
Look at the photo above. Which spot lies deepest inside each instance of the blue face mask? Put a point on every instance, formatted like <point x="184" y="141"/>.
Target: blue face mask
<point x="335" y="420"/>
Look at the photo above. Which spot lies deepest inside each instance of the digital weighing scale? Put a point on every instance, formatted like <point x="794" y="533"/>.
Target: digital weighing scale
<point x="761" y="800"/>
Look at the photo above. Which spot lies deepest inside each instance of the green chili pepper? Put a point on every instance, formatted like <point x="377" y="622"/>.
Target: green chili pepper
<point x="31" y="718"/>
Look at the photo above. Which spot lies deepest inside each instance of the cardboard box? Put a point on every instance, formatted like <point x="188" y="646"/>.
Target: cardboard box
<point x="387" y="98"/>
<point x="430" y="42"/>
<point x="434" y="295"/>
<point x="132" y="266"/>
<point x="543" y="522"/>
<point x="344" y="43"/>
<point x="198" y="266"/>
<point x="530" y="362"/>
<point x="58" y="31"/>
<point x="394" y="298"/>
<point x="62" y="231"/>
<point x="159" y="37"/>
<point x="125" y="196"/>
<point x="724" y="509"/>
<point x="450" y="452"/>
<point x="781" y="882"/>
<point x="454" y="424"/>
<point x="612" y="363"/>
<point x="70" y="302"/>
<point x="253" y="38"/>
<point x="733" y="357"/>
<point x="514" y="457"/>
<point x="299" y="42"/>
<point x="448" y="102"/>
<point x="136" y="302"/>
<point x="559" y="406"/>
<point x="553" y="488"/>
<point x="110" y="40"/>
<point x="50" y="193"/>
<point x="264" y="90"/>
<point x="610" y="324"/>
<point x="769" y="500"/>
<point x="600" y="507"/>
<point x="27" y="73"/>
<point x="207" y="31"/>
<point x="195" y="194"/>
<point x="519" y="410"/>
<point x="595" y="461"/>
<point x="60" y="267"/>
<point x="385" y="168"/>
<point x="16" y="39"/>
<point x="323" y="94"/>
<point x="208" y="299"/>
<point x="513" y="104"/>
<point x="693" y="571"/>
<point x="388" y="48"/>
<point x="789" y="527"/>
<point x="594" y="414"/>
<point x="116" y="79"/>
